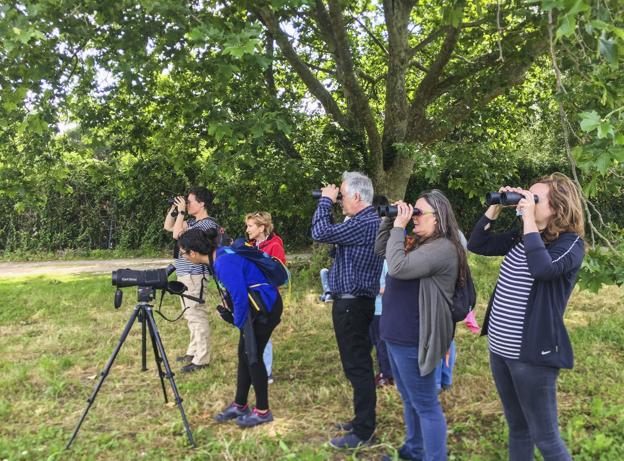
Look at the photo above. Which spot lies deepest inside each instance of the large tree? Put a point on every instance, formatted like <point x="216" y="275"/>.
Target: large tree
<point x="401" y="75"/>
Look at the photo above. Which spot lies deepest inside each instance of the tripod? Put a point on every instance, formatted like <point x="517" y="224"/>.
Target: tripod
<point x="144" y="314"/>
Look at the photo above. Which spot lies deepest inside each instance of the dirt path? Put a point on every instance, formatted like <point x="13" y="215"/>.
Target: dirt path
<point x="93" y="266"/>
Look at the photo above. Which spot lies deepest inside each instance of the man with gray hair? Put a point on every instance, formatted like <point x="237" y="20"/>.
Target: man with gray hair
<point x="354" y="283"/>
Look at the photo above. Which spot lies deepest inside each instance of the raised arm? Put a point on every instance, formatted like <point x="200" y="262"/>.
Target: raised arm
<point x="382" y="237"/>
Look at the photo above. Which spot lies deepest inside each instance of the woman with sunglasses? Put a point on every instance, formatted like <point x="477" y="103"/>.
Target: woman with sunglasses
<point x="244" y="283"/>
<point x="416" y="321"/>
<point x="260" y="232"/>
<point x="527" y="338"/>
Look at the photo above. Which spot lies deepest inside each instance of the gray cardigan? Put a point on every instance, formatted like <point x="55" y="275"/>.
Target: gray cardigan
<point x="435" y="263"/>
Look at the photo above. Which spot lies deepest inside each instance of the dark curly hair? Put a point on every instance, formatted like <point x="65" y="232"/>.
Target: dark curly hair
<point x="202" y="241"/>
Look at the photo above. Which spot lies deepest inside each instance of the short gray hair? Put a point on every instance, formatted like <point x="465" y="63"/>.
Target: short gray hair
<point x="357" y="183"/>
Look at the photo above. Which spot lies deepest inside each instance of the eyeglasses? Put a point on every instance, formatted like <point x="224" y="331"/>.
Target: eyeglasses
<point x="419" y="212"/>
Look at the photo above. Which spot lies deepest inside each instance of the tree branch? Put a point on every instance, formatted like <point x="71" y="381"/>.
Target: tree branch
<point x="396" y="13"/>
<point x="422" y="95"/>
<point x="509" y="73"/>
<point x="356" y="99"/>
<point x="315" y="87"/>
<point x="280" y="138"/>
<point x="373" y="37"/>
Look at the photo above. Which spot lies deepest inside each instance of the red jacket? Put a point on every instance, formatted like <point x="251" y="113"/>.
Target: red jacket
<point x="274" y="246"/>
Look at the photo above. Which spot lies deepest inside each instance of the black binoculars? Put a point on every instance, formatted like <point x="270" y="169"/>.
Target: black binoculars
<point x="391" y="211"/>
<point x="504" y="198"/>
<point x="317" y="194"/>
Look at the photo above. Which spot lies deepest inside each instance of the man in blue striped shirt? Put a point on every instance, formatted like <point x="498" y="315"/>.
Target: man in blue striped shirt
<point x="354" y="283"/>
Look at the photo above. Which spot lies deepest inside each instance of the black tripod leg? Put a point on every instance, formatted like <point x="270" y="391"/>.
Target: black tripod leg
<point x="104" y="372"/>
<point x="159" y="360"/>
<point x="143" y="343"/>
<point x="161" y="350"/>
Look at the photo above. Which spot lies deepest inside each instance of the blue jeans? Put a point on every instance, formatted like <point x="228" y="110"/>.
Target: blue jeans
<point x="380" y="346"/>
<point x="529" y="396"/>
<point x="425" y="425"/>
<point x="267" y="357"/>
<point x="444" y="371"/>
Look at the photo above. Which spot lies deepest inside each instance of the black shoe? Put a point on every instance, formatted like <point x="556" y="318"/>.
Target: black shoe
<point x="350" y="441"/>
<point x="185" y="359"/>
<point x="346" y="427"/>
<point x="192" y="367"/>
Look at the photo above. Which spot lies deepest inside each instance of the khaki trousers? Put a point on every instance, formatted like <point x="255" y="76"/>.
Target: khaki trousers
<point x="197" y="318"/>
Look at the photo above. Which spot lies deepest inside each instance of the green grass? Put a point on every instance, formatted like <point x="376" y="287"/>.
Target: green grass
<point x="56" y="335"/>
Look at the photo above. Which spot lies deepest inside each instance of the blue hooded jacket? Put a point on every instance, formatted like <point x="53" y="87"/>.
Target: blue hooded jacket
<point x="554" y="267"/>
<point x="238" y="275"/>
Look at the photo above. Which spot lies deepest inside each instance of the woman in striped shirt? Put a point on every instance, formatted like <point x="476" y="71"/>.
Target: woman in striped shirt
<point x="527" y="338"/>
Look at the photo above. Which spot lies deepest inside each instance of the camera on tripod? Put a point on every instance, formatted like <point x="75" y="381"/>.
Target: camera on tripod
<point x="156" y="278"/>
<point x="147" y="282"/>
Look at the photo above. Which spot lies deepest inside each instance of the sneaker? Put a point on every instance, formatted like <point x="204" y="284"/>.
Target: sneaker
<point x="328" y="298"/>
<point x="254" y="418"/>
<point x="192" y="367"/>
<point x="185" y="358"/>
<point x="270" y="379"/>
<point x="233" y="411"/>
<point x="346" y="427"/>
<point x="350" y="440"/>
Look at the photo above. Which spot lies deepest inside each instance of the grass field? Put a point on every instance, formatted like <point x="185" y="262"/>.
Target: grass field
<point x="57" y="333"/>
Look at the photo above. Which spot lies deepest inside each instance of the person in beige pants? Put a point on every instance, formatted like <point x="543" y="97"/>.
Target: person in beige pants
<point x="192" y="275"/>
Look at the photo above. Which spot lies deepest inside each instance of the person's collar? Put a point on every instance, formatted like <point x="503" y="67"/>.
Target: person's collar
<point x="364" y="208"/>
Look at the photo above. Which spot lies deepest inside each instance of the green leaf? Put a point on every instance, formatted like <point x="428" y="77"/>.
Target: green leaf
<point x="566" y="29"/>
<point x="580" y="5"/>
<point x="617" y="154"/>
<point x="608" y="50"/>
<point x="605" y="129"/>
<point x="589" y="121"/>
<point x="603" y="162"/>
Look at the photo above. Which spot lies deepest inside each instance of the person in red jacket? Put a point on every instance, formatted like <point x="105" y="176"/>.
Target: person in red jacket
<point x="261" y="234"/>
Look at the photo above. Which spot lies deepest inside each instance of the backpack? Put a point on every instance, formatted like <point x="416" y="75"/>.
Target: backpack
<point x="464" y="298"/>
<point x="273" y="269"/>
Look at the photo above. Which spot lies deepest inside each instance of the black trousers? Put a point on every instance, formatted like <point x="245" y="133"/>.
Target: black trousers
<point x="352" y="319"/>
<point x="256" y="374"/>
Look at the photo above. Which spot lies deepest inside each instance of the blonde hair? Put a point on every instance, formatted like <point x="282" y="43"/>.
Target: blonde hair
<point x="565" y="202"/>
<point x="261" y="218"/>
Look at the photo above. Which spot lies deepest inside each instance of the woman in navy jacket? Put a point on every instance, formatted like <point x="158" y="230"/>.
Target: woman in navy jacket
<point x="527" y="337"/>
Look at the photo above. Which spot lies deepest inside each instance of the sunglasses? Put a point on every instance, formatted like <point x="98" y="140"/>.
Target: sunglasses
<point x="419" y="212"/>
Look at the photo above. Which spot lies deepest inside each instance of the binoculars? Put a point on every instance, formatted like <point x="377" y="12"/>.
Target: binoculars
<point x="317" y="194"/>
<point x="504" y="198"/>
<point x="391" y="211"/>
